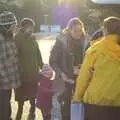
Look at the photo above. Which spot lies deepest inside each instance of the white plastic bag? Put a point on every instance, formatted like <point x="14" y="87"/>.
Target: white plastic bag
<point x="77" y="111"/>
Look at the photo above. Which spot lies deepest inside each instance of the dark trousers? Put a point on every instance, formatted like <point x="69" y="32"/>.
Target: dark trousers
<point x="5" y="105"/>
<point x="93" y="112"/>
<point x="31" y="112"/>
<point x="65" y="101"/>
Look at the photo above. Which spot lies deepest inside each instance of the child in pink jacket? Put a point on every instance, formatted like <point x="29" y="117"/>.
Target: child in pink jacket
<point x="44" y="95"/>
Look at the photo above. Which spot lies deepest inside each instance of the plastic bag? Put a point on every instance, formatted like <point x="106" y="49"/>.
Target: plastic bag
<point x="77" y="111"/>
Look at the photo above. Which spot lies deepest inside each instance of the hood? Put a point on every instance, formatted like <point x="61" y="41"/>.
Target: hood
<point x="111" y="47"/>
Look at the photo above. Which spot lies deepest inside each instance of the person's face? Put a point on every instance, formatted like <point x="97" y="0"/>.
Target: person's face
<point x="76" y="32"/>
<point x="29" y="30"/>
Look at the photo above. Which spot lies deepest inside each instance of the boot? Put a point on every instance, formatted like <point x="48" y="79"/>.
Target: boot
<point x="31" y="117"/>
<point x="19" y="115"/>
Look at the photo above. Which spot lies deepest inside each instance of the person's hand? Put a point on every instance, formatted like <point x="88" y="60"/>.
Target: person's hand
<point x="76" y="70"/>
<point x="66" y="79"/>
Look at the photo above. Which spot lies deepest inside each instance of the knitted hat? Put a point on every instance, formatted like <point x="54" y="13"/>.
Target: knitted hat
<point x="47" y="71"/>
<point x="7" y="18"/>
<point x="27" y="22"/>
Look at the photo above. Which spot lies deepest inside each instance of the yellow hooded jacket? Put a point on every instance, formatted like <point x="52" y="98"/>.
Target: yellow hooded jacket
<point x="103" y="87"/>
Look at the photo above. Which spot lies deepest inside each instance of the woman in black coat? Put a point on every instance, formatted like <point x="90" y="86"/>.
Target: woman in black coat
<point x="66" y="58"/>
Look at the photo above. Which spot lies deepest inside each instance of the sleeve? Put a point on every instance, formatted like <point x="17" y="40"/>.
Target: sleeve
<point x="40" y="61"/>
<point x="4" y="63"/>
<point x="18" y="44"/>
<point x="84" y="77"/>
<point x="56" y="56"/>
<point x="39" y="56"/>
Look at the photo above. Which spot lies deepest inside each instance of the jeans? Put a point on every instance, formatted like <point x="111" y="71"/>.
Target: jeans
<point x="5" y="105"/>
<point x="56" y="108"/>
<point x="62" y="104"/>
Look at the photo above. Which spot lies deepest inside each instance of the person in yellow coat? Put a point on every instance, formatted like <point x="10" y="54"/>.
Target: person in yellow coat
<point x="98" y="83"/>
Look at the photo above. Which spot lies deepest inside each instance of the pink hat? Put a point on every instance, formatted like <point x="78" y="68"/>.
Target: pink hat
<point x="47" y="71"/>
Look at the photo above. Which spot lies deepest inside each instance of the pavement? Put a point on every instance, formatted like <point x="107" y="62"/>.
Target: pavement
<point x="45" y="44"/>
<point x="45" y="35"/>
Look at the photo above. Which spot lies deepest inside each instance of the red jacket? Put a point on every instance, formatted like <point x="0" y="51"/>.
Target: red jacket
<point x="44" y="94"/>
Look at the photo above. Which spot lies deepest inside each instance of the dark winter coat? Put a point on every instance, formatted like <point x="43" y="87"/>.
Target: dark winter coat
<point x="65" y="54"/>
<point x="30" y="59"/>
